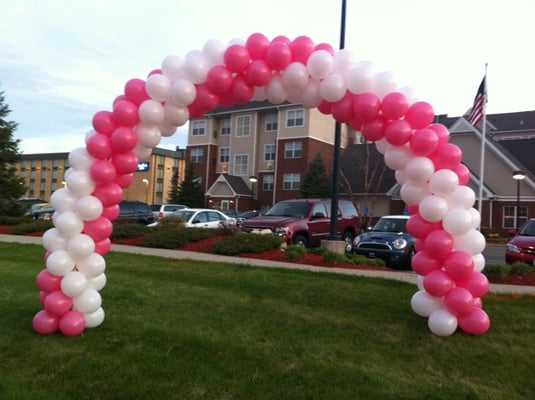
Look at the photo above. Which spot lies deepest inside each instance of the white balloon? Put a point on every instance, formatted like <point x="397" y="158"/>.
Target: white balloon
<point x="423" y="304"/>
<point x="479" y="262"/>
<point x="157" y="87"/>
<point x="143" y="153"/>
<point x="149" y="135"/>
<point x="80" y="183"/>
<point x="462" y="197"/>
<point x="80" y="159"/>
<point x="172" y="67"/>
<point x="410" y="94"/>
<point x="397" y="157"/>
<point x="91" y="266"/>
<point x="259" y="93"/>
<point x="68" y="223"/>
<point x="383" y="83"/>
<point x="476" y="218"/>
<point x="151" y="112"/>
<point x="320" y="64"/>
<point x="413" y="192"/>
<point x="98" y="282"/>
<point x="73" y="283"/>
<point x="275" y="91"/>
<point x="295" y="76"/>
<point x="433" y="208"/>
<point x="175" y="115"/>
<point x="383" y="146"/>
<point x="359" y="79"/>
<point x="59" y="262"/>
<point x="420" y="281"/>
<point x="87" y="302"/>
<point x="442" y="323"/>
<point x="344" y="60"/>
<point x="419" y="169"/>
<point x="196" y="66"/>
<point x="53" y="240"/>
<point x="457" y="221"/>
<point x="182" y="92"/>
<point x="214" y="51"/>
<point x="295" y="96"/>
<point x="95" y="318"/>
<point x="62" y="200"/>
<point x="88" y="207"/>
<point x="472" y="242"/>
<point x="80" y="246"/>
<point x="444" y="182"/>
<point x="166" y="130"/>
<point x="333" y="88"/>
<point x="310" y="95"/>
<point x="401" y="176"/>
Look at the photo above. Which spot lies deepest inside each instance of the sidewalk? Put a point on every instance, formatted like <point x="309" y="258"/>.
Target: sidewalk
<point x="403" y="276"/>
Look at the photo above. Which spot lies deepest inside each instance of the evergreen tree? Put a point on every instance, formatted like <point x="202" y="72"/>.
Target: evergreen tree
<point x="190" y="192"/>
<point x="316" y="181"/>
<point x="12" y="186"/>
<point x="173" y="192"/>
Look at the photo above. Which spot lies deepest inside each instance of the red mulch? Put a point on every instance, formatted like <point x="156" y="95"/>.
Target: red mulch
<point x="309" y="259"/>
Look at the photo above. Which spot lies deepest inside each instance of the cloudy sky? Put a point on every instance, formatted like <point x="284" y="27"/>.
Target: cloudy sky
<point x="61" y="61"/>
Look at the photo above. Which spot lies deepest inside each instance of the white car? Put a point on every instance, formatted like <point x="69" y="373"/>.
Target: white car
<point x="204" y="218"/>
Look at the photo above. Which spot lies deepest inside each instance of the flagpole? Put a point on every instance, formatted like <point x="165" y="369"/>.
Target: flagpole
<point x="483" y="140"/>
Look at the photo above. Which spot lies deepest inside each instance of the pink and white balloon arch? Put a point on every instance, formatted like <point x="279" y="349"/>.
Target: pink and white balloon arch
<point x="449" y="247"/>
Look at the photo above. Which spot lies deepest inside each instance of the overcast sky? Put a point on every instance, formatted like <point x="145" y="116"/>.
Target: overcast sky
<point x="61" y="61"/>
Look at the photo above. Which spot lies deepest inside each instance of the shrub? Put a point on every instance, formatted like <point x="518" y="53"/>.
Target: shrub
<point x="294" y="252"/>
<point x="123" y="231"/>
<point x="336" y="258"/>
<point x="359" y="259"/>
<point x="521" y="268"/>
<point x="172" y="238"/>
<point x="245" y="243"/>
<point x="10" y="220"/>
<point x="496" y="271"/>
<point x="170" y="221"/>
<point x="31" y="227"/>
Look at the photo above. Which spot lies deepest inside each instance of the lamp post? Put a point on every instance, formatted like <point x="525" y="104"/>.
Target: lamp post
<point x="253" y="179"/>
<point x="146" y="182"/>
<point x="518" y="176"/>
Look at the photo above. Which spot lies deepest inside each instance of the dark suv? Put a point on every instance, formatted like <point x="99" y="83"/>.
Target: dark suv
<point x="135" y="212"/>
<point x="306" y="222"/>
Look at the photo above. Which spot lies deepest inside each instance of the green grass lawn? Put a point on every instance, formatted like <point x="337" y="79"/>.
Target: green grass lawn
<point x="179" y="329"/>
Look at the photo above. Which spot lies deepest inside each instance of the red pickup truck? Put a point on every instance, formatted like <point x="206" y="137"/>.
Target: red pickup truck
<point x="306" y="222"/>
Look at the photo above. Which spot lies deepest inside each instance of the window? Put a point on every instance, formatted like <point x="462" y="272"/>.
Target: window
<point x="224" y="154"/>
<point x="293" y="150"/>
<point x="241" y="164"/>
<point x="243" y="125"/>
<point x="198" y="128"/>
<point x="269" y="152"/>
<point x="197" y="155"/>
<point x="295" y="118"/>
<point x="509" y="216"/>
<point x="224" y="128"/>
<point x="272" y="122"/>
<point x="291" y="181"/>
<point x="267" y="182"/>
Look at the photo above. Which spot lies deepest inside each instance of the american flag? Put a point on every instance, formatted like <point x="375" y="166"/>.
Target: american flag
<point x="476" y="114"/>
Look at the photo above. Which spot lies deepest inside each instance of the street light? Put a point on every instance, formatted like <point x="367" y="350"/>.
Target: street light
<point x="146" y="182"/>
<point x="253" y="179"/>
<point x="518" y="176"/>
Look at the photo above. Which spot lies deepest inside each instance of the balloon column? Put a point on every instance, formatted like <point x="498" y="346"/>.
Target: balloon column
<point x="449" y="247"/>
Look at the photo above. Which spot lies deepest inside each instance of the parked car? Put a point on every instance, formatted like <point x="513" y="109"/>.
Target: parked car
<point x="388" y="240"/>
<point x="41" y="211"/>
<point x="522" y="246"/>
<point x="306" y="222"/>
<point x="163" y="210"/>
<point x="231" y="213"/>
<point x="204" y="218"/>
<point x="135" y="212"/>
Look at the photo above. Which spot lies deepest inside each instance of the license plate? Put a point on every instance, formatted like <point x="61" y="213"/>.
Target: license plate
<point x="372" y="254"/>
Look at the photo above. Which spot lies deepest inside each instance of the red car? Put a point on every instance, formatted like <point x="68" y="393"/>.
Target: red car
<point x="522" y="247"/>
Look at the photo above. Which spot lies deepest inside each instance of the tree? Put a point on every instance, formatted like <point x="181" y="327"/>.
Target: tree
<point x="190" y="192"/>
<point x="12" y="186"/>
<point x="316" y="181"/>
<point x="174" y="191"/>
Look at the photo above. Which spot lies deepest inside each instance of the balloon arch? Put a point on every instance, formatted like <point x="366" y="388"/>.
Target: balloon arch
<point x="442" y="219"/>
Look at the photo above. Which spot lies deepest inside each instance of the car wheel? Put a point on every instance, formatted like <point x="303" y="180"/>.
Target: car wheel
<point x="300" y="240"/>
<point x="348" y="238"/>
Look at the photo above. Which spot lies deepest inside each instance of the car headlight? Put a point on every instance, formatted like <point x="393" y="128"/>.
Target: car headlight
<point x="356" y="241"/>
<point x="512" y="248"/>
<point x="281" y="230"/>
<point x="399" y="244"/>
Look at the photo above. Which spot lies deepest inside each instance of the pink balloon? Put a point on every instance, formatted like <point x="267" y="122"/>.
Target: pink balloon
<point x="219" y="79"/>
<point x="478" y="302"/>
<point x="257" y="45"/>
<point x="125" y="113"/>
<point x="119" y="98"/>
<point x="419" y="227"/>
<point x="57" y="303"/>
<point x="103" y="247"/>
<point x="123" y="139"/>
<point x="103" y="122"/>
<point x="102" y="171"/>
<point x="325" y="46"/>
<point x="441" y="131"/>
<point x="398" y="132"/>
<point x="423" y="142"/>
<point x="366" y="106"/>
<point x="99" y="146"/>
<point x="419" y="245"/>
<point x="373" y="130"/>
<point x="242" y="92"/>
<point x="476" y="283"/>
<point x="325" y="107"/>
<point x="357" y="124"/>
<point x="72" y="323"/>
<point x="111" y="212"/>
<point x="205" y="98"/>
<point x="439" y="243"/>
<point x="258" y="73"/>
<point x="42" y="297"/>
<point x="47" y="282"/>
<point x="476" y="322"/>
<point x="459" y="301"/>
<point x="195" y="110"/>
<point x="342" y="110"/>
<point x="394" y="106"/>
<point x="125" y="163"/>
<point x="236" y="58"/>
<point x="278" y="55"/>
<point x="109" y="194"/>
<point x="302" y="47"/>
<point x="423" y="263"/>
<point x="463" y="173"/>
<point x="438" y="283"/>
<point x="447" y="156"/>
<point x="459" y="264"/>
<point x="45" y="323"/>
<point x="98" y="229"/>
<point x="135" y="92"/>
<point x="124" y="180"/>
<point x="420" y="114"/>
<point x="156" y="71"/>
<point x="281" y="39"/>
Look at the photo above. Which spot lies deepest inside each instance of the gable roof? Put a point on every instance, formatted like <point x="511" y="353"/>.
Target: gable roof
<point x="229" y="185"/>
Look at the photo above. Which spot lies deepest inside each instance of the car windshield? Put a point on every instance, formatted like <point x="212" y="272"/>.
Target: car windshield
<point x="394" y="225"/>
<point x="528" y="229"/>
<point x="289" y="209"/>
